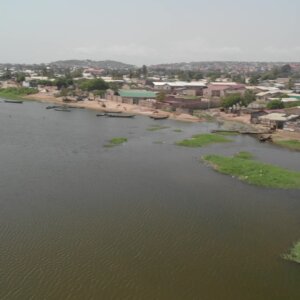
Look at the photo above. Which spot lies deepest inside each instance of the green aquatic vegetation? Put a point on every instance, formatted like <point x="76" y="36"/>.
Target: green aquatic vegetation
<point x="254" y="172"/>
<point x="201" y="140"/>
<point x="244" y="155"/>
<point x="157" y="127"/>
<point x="116" y="141"/>
<point x="294" y="254"/>
<point x="177" y="130"/>
<point x="291" y="144"/>
<point x="228" y="133"/>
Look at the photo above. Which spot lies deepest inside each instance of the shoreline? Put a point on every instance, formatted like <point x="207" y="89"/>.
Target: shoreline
<point x="243" y="121"/>
<point x="111" y="105"/>
<point x="229" y="121"/>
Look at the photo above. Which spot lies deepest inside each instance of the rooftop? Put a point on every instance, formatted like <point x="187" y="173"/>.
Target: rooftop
<point x="137" y="94"/>
<point x="181" y="84"/>
<point x="279" y="117"/>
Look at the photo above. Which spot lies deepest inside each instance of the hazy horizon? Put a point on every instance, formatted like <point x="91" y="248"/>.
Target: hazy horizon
<point x="143" y="32"/>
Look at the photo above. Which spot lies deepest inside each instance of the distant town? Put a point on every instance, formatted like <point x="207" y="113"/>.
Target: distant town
<point x="261" y="93"/>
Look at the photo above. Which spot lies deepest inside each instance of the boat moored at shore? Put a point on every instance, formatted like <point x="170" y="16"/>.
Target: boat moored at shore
<point x="14" y="101"/>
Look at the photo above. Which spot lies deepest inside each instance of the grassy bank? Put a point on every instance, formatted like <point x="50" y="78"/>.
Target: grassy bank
<point x="243" y="167"/>
<point x="116" y="141"/>
<point x="228" y="133"/>
<point x="17" y="93"/>
<point x="294" y="254"/>
<point x="291" y="144"/>
<point x="201" y="140"/>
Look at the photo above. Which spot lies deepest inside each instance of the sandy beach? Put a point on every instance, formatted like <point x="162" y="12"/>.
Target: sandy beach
<point x="107" y="105"/>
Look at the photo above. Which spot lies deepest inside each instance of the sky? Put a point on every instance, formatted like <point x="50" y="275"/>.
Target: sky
<point x="149" y="32"/>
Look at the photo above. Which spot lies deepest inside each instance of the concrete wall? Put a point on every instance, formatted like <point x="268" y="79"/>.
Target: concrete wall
<point x="127" y="100"/>
<point x="147" y="103"/>
<point x="113" y="98"/>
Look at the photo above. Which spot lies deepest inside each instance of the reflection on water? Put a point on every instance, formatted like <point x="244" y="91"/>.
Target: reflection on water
<point x="144" y="220"/>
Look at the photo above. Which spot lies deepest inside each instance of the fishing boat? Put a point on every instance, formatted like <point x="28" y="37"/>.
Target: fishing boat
<point x="113" y="111"/>
<point x="101" y="115"/>
<point x="76" y="107"/>
<point x="53" y="106"/>
<point x="62" y="109"/>
<point x="14" y="101"/>
<point x="159" y="117"/>
<point x="118" y="115"/>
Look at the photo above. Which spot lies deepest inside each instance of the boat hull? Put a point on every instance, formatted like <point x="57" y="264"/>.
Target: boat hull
<point x="13" y="101"/>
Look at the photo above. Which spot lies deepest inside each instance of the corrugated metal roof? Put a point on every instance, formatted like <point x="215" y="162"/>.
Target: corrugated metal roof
<point x="181" y="83"/>
<point x="279" y="117"/>
<point x="137" y="94"/>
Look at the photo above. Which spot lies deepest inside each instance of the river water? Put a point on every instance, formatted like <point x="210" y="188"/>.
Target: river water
<point x="144" y="220"/>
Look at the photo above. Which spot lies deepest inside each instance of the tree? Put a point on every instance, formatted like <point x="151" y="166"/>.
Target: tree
<point x="286" y="69"/>
<point x="117" y="75"/>
<point x="161" y="96"/>
<point x="238" y="78"/>
<point x="249" y="97"/>
<point x="76" y="73"/>
<point x="198" y="76"/>
<point x="184" y="76"/>
<point x="20" y="77"/>
<point x="291" y="84"/>
<point x="115" y="87"/>
<point x="144" y="71"/>
<point x="7" y="75"/>
<point x="232" y="99"/>
<point x="131" y="74"/>
<point x="275" y="104"/>
<point x="254" y="79"/>
<point x="138" y="73"/>
<point x="213" y="76"/>
<point x="94" y="85"/>
<point x="100" y="93"/>
<point x="64" y="82"/>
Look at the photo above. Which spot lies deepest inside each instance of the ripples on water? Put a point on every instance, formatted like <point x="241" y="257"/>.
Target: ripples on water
<point x="141" y="221"/>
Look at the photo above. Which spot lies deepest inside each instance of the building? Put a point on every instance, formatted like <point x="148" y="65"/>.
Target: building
<point x="277" y="120"/>
<point x="194" y="88"/>
<point x="255" y="115"/>
<point x="222" y="89"/>
<point x="134" y="96"/>
<point x="181" y="105"/>
<point x="271" y="94"/>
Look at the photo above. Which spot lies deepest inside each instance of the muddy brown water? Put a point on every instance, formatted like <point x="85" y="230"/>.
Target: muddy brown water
<point x="144" y="220"/>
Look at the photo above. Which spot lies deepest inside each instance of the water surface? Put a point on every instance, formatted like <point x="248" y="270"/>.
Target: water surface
<point x="145" y="220"/>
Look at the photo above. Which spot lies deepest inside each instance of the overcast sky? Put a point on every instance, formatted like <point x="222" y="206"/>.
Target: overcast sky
<point x="149" y="32"/>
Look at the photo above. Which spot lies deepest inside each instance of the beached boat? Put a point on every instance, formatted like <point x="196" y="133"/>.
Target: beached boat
<point x="14" y="101"/>
<point x="159" y="117"/>
<point x="113" y="111"/>
<point x="265" y="138"/>
<point x="118" y="115"/>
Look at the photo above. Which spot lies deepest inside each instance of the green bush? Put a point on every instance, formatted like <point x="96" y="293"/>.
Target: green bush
<point x="13" y="91"/>
<point x="93" y="85"/>
<point x="275" y="104"/>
